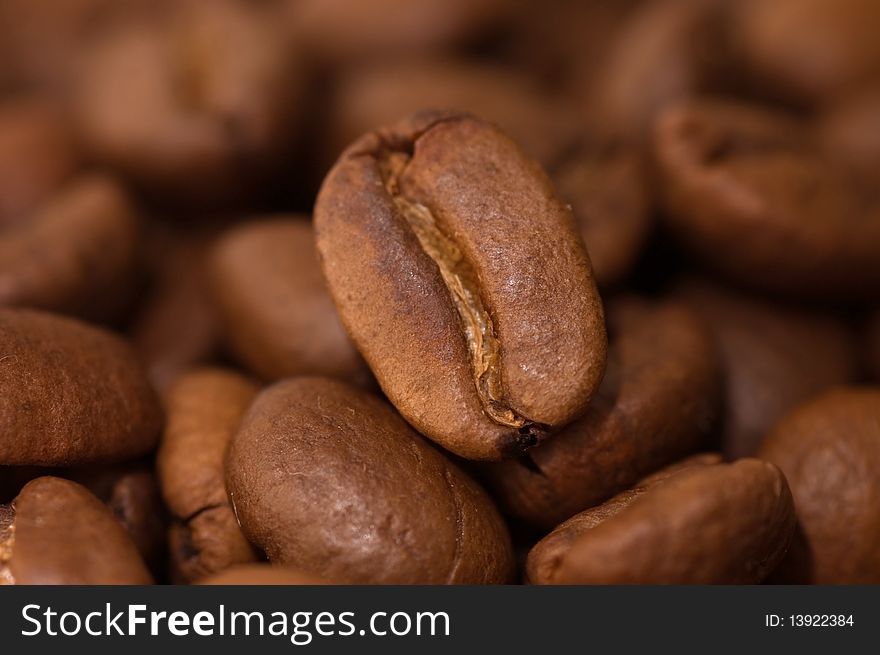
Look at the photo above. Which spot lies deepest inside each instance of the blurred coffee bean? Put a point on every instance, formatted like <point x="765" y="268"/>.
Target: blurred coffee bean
<point x="37" y="155"/>
<point x="276" y="314"/>
<point x="262" y="574"/>
<point x="829" y="449"/>
<point x="345" y="31"/>
<point x="77" y="254"/>
<point x="809" y="50"/>
<point x="197" y="104"/>
<point x="774" y="357"/>
<point x="749" y="190"/>
<point x="850" y="130"/>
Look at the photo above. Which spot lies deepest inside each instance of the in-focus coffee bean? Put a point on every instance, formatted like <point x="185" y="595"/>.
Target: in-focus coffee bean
<point x="464" y="283"/>
<point x="330" y="480"/>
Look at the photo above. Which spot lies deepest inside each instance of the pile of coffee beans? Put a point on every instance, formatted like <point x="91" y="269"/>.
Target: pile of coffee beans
<point x="439" y="291"/>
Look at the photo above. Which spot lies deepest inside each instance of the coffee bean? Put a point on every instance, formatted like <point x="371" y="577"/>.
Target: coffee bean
<point x="274" y="307"/>
<point x="829" y="449"/>
<point x="463" y="282"/>
<point x="703" y="524"/>
<point x="657" y="401"/>
<point x="77" y="254"/>
<point x="204" y="409"/>
<point x="57" y="532"/>
<point x="775" y="356"/>
<point x="70" y="393"/>
<point x="731" y="173"/>
<point x="329" y="479"/>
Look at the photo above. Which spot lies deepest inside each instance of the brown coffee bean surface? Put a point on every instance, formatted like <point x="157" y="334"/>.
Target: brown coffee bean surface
<point x="329" y="479"/>
<point x="463" y="282"/>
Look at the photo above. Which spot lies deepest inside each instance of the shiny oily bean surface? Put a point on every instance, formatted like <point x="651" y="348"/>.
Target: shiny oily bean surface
<point x="544" y="558"/>
<point x="463" y="282"/>
<point x="750" y="192"/>
<point x="716" y="524"/>
<point x="204" y="408"/>
<point x="774" y="357"/>
<point x="656" y="403"/>
<point x="77" y="254"/>
<point x="329" y="479"/>
<point x="829" y="449"/>
<point x="70" y="393"/>
<point x="276" y="313"/>
<point x="57" y="532"/>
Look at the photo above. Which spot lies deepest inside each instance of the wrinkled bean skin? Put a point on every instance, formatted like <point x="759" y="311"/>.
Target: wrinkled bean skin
<point x="275" y="311"/>
<point x="656" y="403"/>
<point x="86" y="400"/>
<point x="544" y="558"/>
<point x="463" y="282"/>
<point x="204" y="407"/>
<point x="829" y="449"/>
<point x="774" y="357"/>
<point x="315" y="474"/>
<point x="731" y="173"/>
<point x="715" y="524"/>
<point x="77" y="254"/>
<point x="57" y="532"/>
<point x="262" y="574"/>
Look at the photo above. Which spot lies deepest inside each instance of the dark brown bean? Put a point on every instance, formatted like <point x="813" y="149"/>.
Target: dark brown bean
<point x="262" y="574"/>
<point x="657" y="401"/>
<point x="57" y="532"/>
<point x="829" y="449"/>
<point x="70" y="393"/>
<point x="774" y="357"/>
<point x="329" y="479"/>
<point x="463" y="282"/>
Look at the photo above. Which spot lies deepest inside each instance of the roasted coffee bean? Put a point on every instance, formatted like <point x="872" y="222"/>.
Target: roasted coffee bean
<point x="329" y="479"/>
<point x="70" y="393"/>
<point x="607" y="187"/>
<point x="262" y="574"/>
<point x="829" y="449"/>
<point x="774" y="357"/>
<point x="57" y="532"/>
<point x="745" y="176"/>
<point x="77" y="254"/>
<point x="463" y="282"/>
<point x="275" y="311"/>
<point x="664" y="52"/>
<point x="850" y="131"/>
<point x="336" y="31"/>
<point x="657" y="401"/>
<point x="131" y="492"/>
<point x="543" y="560"/>
<point x="36" y="156"/>
<point x="204" y="409"/>
<point x="705" y="524"/>
<point x="194" y="105"/>
<point x="381" y="93"/>
<point x="809" y="50"/>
